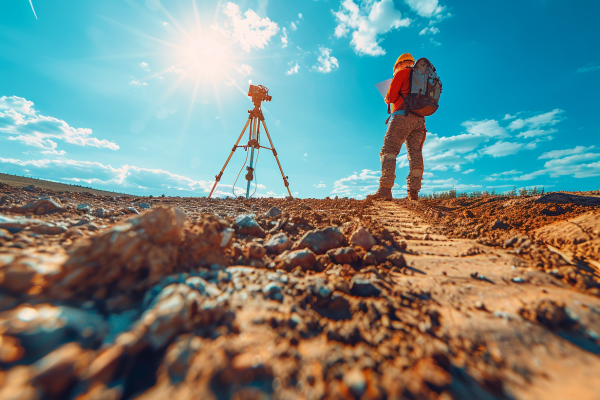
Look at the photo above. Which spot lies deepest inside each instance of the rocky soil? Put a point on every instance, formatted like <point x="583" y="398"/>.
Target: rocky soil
<point x="185" y="298"/>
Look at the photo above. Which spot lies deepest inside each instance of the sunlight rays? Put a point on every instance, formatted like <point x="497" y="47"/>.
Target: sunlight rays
<point x="33" y="9"/>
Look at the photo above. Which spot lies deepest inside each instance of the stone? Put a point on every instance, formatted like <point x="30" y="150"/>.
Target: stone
<point x="84" y="207"/>
<point x="101" y="212"/>
<point x="355" y="381"/>
<point x="16" y="278"/>
<point x="44" y="327"/>
<point x="143" y="206"/>
<point x="246" y="224"/>
<point x="343" y="255"/>
<point x="42" y="206"/>
<point x="273" y="212"/>
<point x="498" y="224"/>
<point x="254" y="250"/>
<point x="58" y="370"/>
<point x="321" y="240"/>
<point x="17" y="224"/>
<point x="30" y="188"/>
<point x="380" y="253"/>
<point x="364" y="286"/>
<point x="468" y="214"/>
<point x="132" y="210"/>
<point x="363" y="238"/>
<point x="397" y="259"/>
<point x="48" y="229"/>
<point x="278" y="243"/>
<point x="304" y="259"/>
<point x="4" y="234"/>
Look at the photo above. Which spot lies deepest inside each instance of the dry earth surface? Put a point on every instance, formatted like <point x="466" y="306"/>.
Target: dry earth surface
<point x="188" y="298"/>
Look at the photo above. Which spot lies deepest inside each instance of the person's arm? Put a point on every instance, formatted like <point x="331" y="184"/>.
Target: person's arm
<point x="392" y="93"/>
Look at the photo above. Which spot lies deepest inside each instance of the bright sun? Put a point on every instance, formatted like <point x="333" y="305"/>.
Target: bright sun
<point x="208" y="55"/>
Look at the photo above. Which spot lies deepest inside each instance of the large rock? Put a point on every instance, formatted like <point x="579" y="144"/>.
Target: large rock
<point x="304" y="259"/>
<point x="343" y="255"/>
<point x="321" y="240"/>
<point x="17" y="224"/>
<point x="42" y="206"/>
<point x="365" y="285"/>
<point x="246" y="225"/>
<point x="43" y="327"/>
<point x="363" y="238"/>
<point x="278" y="243"/>
<point x="273" y="212"/>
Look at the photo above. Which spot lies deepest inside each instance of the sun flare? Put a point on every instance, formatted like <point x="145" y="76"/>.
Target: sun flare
<point x="206" y="55"/>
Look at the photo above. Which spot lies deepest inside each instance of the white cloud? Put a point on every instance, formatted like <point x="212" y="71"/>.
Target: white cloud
<point x="300" y="15"/>
<point x="293" y="26"/>
<point x="351" y="186"/>
<point x="425" y="8"/>
<point x="244" y="69"/>
<point x="588" y="68"/>
<point x="165" y="23"/>
<point x="319" y="185"/>
<point x="430" y="29"/>
<point x="175" y="70"/>
<point x="546" y="119"/>
<point x="138" y="83"/>
<point x="536" y="132"/>
<point x="325" y="62"/>
<point x="21" y="122"/>
<point x="284" y="39"/>
<point x="502" y="149"/>
<point x="230" y="83"/>
<point x="490" y="128"/>
<point x="249" y="30"/>
<point x="567" y="152"/>
<point x="502" y="175"/>
<point x="293" y="70"/>
<point x="145" y="66"/>
<point x="434" y="42"/>
<point x="576" y="165"/>
<point x="367" y="23"/>
<point x="468" y="171"/>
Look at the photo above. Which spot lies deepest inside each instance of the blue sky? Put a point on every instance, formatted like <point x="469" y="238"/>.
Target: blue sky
<point x="148" y="98"/>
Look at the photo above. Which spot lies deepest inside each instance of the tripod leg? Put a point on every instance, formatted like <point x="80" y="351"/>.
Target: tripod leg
<point x="218" y="177"/>
<point x="285" y="181"/>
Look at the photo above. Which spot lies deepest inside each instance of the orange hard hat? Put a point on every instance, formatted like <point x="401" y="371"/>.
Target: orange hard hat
<point x="404" y="57"/>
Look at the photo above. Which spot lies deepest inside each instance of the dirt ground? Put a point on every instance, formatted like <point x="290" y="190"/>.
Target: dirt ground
<point x="151" y="298"/>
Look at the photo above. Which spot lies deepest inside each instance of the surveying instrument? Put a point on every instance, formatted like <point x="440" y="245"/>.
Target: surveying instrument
<point x="259" y="94"/>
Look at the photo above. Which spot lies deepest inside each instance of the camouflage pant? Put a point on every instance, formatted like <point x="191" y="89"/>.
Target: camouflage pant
<point x="403" y="129"/>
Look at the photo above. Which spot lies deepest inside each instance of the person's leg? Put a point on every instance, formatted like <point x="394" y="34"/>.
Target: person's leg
<point x="414" y="151"/>
<point x="394" y="137"/>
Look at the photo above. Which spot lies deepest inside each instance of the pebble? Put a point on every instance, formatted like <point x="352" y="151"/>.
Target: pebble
<point x="246" y="224"/>
<point x="278" y="243"/>
<point x="362" y="237"/>
<point x="321" y="240"/>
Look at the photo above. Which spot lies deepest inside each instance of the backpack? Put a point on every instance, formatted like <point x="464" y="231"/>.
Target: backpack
<point x="425" y="89"/>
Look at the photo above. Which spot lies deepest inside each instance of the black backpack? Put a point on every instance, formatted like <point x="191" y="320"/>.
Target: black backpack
<point x="425" y="89"/>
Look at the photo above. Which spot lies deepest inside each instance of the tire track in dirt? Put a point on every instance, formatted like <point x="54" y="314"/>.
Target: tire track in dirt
<point x="535" y="333"/>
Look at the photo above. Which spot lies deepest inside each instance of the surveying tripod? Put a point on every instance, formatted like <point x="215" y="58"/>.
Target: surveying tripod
<point x="255" y="118"/>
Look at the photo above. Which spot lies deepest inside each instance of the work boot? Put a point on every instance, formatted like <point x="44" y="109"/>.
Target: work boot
<point x="413" y="195"/>
<point x="382" y="193"/>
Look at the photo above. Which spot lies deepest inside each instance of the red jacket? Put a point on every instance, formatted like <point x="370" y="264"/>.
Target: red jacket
<point x="400" y="83"/>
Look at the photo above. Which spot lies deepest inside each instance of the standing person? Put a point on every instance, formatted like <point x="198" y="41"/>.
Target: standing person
<point x="402" y="128"/>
